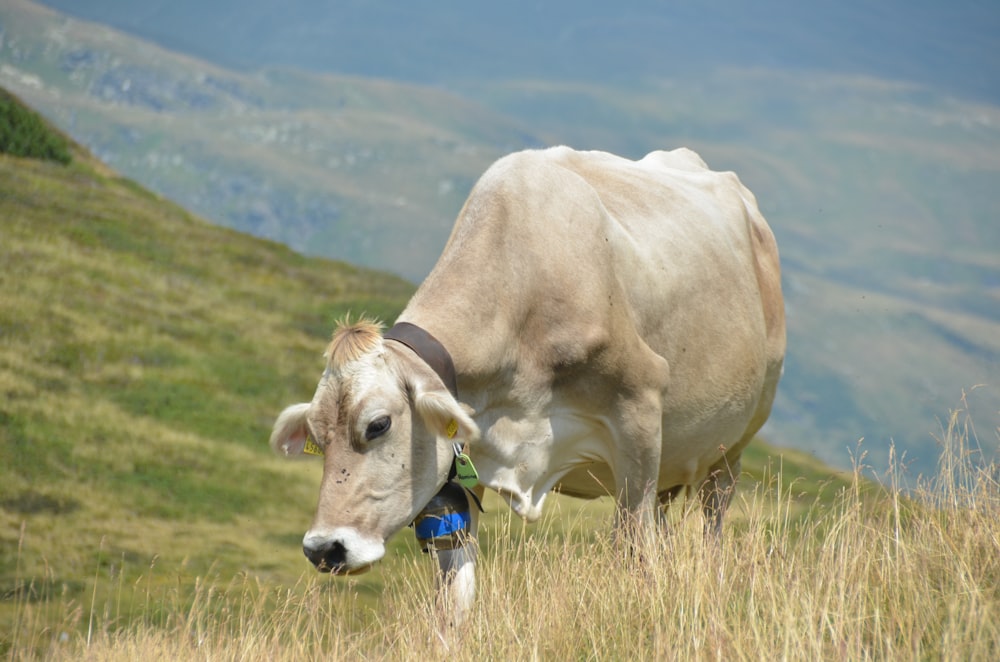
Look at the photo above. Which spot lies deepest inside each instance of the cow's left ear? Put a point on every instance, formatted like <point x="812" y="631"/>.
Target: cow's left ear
<point x="446" y="416"/>
<point x="290" y="433"/>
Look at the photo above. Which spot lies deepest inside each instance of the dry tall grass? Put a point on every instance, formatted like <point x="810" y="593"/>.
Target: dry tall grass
<point x="875" y="573"/>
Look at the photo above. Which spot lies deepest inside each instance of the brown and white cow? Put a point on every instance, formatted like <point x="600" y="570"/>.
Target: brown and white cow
<point x="612" y="327"/>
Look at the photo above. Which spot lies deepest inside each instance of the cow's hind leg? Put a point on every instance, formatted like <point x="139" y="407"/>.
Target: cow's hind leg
<point x="716" y="492"/>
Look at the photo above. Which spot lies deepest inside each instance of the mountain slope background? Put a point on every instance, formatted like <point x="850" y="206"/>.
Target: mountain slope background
<point x="948" y="47"/>
<point x="878" y="182"/>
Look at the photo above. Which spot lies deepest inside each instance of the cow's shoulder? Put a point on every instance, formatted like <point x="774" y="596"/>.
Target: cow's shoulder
<point x="681" y="158"/>
<point x="517" y="174"/>
<point x="677" y="169"/>
<point x="593" y="165"/>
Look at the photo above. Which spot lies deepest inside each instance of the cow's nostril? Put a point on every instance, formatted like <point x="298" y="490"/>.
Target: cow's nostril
<point x="328" y="556"/>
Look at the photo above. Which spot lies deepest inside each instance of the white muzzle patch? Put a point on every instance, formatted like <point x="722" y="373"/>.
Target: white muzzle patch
<point x="342" y="550"/>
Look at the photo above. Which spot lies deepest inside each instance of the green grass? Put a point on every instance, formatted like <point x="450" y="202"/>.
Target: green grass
<point x="143" y="356"/>
<point x="24" y="133"/>
<point x="863" y="573"/>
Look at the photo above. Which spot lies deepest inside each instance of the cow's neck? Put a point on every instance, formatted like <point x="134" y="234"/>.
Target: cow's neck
<point x="479" y="343"/>
<point x="474" y="324"/>
<point x="513" y="422"/>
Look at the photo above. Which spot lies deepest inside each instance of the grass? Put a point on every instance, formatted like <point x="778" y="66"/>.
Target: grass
<point x="143" y="356"/>
<point x="24" y="133"/>
<point x="870" y="572"/>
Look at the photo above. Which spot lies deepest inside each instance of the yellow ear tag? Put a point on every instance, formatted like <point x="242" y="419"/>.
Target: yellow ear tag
<point x="452" y="428"/>
<point x="311" y="447"/>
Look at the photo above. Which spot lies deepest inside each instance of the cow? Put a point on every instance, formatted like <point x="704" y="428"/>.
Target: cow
<point x="594" y="325"/>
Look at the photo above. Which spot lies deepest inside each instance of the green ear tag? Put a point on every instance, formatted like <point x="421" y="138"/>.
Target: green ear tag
<point x="311" y="447"/>
<point x="465" y="472"/>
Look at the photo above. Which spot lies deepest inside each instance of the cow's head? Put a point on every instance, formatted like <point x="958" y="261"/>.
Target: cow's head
<point x="384" y="423"/>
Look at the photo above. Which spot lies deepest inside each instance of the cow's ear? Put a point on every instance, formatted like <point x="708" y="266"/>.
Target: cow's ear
<point x="288" y="438"/>
<point x="446" y="416"/>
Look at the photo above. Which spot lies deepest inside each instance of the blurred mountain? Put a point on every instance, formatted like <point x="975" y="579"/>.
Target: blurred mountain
<point x="948" y="46"/>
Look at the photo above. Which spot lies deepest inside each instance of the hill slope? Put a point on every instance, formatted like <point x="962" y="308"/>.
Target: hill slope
<point x="329" y="165"/>
<point x="143" y="356"/>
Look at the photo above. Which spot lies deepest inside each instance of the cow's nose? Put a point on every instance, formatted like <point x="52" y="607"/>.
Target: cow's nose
<point x="326" y="555"/>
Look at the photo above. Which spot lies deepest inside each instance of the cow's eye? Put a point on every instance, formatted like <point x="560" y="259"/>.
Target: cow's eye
<point x="378" y="427"/>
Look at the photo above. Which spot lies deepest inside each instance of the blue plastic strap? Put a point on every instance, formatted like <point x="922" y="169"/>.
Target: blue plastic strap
<point x="436" y="526"/>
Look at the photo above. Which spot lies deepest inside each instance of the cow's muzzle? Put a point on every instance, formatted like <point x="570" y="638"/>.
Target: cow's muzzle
<point x="328" y="557"/>
<point x="344" y="554"/>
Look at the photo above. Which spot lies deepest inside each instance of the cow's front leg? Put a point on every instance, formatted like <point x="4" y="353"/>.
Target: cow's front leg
<point x="447" y="530"/>
<point x="637" y="468"/>
<point x="456" y="582"/>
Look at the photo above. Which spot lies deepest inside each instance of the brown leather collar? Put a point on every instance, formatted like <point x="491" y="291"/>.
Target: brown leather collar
<point x="427" y="348"/>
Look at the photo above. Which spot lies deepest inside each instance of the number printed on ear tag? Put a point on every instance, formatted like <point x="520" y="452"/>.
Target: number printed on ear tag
<point x="311" y="447"/>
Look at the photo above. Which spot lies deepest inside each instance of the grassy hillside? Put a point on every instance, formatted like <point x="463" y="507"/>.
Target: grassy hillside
<point x="864" y="575"/>
<point x="329" y="165"/>
<point x="143" y="356"/>
<point x="23" y="132"/>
